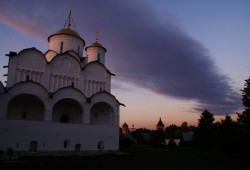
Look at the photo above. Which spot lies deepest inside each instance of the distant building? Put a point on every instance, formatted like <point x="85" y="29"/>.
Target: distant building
<point x="125" y="129"/>
<point x="187" y="136"/>
<point x="176" y="141"/>
<point x="160" y="125"/>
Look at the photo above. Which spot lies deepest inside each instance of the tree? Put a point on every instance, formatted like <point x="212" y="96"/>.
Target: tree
<point x="158" y="137"/>
<point x="204" y="133"/>
<point x="184" y="127"/>
<point x="206" y="120"/>
<point x="172" y="131"/>
<point x="244" y="117"/>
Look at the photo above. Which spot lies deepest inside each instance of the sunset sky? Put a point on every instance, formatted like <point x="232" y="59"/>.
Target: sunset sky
<point x="172" y="58"/>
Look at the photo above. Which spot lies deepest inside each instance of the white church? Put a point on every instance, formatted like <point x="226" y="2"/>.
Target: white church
<point x="60" y="100"/>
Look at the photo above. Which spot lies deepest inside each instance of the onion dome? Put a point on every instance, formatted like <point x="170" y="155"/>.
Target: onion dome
<point x="96" y="43"/>
<point x="67" y="31"/>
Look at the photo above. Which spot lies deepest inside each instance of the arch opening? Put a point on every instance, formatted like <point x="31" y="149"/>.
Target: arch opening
<point x="26" y="107"/>
<point x="101" y="114"/>
<point x="67" y="111"/>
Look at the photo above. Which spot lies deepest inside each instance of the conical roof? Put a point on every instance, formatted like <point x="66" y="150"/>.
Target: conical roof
<point x="160" y="123"/>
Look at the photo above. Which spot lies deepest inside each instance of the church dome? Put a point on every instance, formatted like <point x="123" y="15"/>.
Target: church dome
<point x="96" y="44"/>
<point x="67" y="31"/>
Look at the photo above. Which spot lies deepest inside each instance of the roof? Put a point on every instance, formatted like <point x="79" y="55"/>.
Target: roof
<point x="125" y="124"/>
<point x="160" y="123"/>
<point x="96" y="44"/>
<point x="67" y="31"/>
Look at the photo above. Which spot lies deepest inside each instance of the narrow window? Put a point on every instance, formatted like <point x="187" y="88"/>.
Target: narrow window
<point x="99" y="57"/>
<point x="61" y="47"/>
<point x="27" y="78"/>
<point x="78" y="50"/>
<point x="66" y="143"/>
<point x="24" y="115"/>
<point x="100" y="145"/>
<point x="72" y="84"/>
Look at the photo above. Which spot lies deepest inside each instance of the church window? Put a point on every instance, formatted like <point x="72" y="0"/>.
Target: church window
<point x="27" y="78"/>
<point x="61" y="47"/>
<point x="78" y="147"/>
<point x="100" y="145"/>
<point x="66" y="143"/>
<point x="64" y="119"/>
<point x="24" y="115"/>
<point x="33" y="146"/>
<point x="99" y="56"/>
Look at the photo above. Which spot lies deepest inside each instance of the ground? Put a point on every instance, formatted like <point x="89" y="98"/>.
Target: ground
<point x="138" y="157"/>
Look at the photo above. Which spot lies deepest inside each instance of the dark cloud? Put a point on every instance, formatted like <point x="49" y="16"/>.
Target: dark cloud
<point x="149" y="51"/>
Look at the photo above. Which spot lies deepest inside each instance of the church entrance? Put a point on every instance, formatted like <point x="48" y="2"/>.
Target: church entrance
<point x="67" y="111"/>
<point x="64" y="119"/>
<point x="33" y="146"/>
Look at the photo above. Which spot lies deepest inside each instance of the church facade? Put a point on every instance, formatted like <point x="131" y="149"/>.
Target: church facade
<point x="60" y="100"/>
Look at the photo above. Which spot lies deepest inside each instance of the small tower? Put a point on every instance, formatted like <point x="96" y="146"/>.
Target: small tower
<point x="160" y="125"/>
<point x="96" y="52"/>
<point x="125" y="129"/>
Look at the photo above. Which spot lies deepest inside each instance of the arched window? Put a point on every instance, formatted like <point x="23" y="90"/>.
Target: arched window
<point x="61" y="47"/>
<point x="64" y="119"/>
<point x="66" y="143"/>
<point x="99" y="57"/>
<point x="78" y="49"/>
<point x="78" y="147"/>
<point x="101" y="145"/>
<point x="33" y="146"/>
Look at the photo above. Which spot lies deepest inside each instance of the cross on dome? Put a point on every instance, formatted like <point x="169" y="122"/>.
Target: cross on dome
<point x="69" y="18"/>
<point x="96" y="34"/>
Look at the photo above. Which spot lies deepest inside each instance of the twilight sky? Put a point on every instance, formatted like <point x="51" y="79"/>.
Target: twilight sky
<point x="172" y="59"/>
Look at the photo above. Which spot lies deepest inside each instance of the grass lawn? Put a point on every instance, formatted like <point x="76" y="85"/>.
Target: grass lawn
<point x="140" y="158"/>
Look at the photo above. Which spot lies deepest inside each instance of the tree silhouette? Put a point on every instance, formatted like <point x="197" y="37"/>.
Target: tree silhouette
<point x="244" y="117"/>
<point x="204" y="132"/>
<point x="206" y="120"/>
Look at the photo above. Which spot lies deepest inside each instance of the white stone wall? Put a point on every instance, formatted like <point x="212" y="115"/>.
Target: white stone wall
<point x="50" y="136"/>
<point x="62" y="71"/>
<point x="20" y="132"/>
<point x="92" y="54"/>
